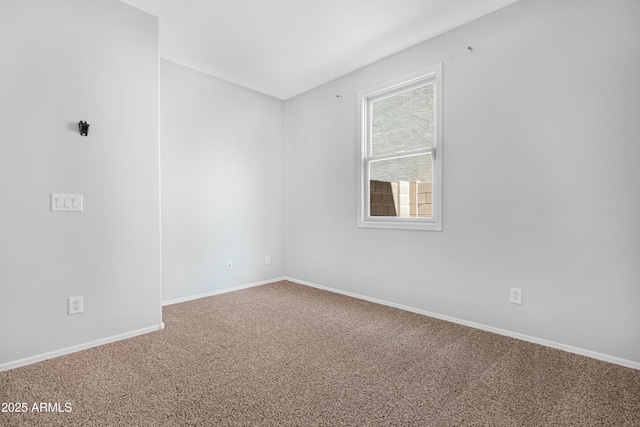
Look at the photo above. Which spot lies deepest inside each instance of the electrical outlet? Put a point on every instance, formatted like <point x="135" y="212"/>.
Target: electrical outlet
<point x="515" y="296"/>
<point x="229" y="265"/>
<point x="75" y="305"/>
<point x="267" y="259"/>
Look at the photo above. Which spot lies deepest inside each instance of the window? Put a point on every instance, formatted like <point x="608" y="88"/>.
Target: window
<point x="400" y="162"/>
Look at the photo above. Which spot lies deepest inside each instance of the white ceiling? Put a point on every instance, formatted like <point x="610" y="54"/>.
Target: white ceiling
<point x="285" y="47"/>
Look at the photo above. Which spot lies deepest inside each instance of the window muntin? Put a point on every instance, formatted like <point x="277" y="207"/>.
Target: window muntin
<point x="400" y="153"/>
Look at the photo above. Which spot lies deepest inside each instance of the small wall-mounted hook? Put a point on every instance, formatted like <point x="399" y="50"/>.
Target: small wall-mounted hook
<point x="470" y="49"/>
<point x="339" y="97"/>
<point x="83" y="127"/>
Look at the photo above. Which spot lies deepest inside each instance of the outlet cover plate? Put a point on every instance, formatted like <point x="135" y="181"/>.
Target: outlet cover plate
<point x="515" y="296"/>
<point x="75" y="305"/>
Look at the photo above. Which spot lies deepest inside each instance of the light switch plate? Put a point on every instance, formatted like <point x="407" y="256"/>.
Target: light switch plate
<point x="66" y="202"/>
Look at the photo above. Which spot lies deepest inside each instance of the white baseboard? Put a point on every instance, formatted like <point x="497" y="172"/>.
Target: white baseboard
<point x="75" y="348"/>
<point x="220" y="291"/>
<point x="535" y="340"/>
<point x="511" y="334"/>
<point x="160" y="326"/>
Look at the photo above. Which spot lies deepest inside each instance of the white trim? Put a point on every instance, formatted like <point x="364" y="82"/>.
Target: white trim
<point x="576" y="350"/>
<point x="220" y="291"/>
<point x="50" y="355"/>
<point x="433" y="75"/>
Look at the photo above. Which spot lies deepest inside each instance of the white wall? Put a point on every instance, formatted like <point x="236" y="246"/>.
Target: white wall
<point x="222" y="184"/>
<point x="61" y="62"/>
<point x="540" y="179"/>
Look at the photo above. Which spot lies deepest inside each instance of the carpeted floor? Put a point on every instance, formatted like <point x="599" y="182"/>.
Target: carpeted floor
<point x="288" y="355"/>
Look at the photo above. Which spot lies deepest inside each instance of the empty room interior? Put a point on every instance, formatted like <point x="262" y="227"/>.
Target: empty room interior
<point x="320" y="213"/>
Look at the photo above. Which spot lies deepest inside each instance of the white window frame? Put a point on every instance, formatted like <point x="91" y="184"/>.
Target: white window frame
<point x="365" y="98"/>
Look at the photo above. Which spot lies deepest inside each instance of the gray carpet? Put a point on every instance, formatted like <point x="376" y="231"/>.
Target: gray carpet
<point x="287" y="355"/>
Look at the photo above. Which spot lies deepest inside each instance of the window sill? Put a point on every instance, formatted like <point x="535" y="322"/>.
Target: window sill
<point x="396" y="224"/>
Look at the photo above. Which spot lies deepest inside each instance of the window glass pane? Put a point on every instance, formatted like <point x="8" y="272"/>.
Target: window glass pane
<point x="401" y="187"/>
<point x="403" y="122"/>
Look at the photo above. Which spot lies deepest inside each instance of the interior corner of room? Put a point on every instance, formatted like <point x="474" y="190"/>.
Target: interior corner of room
<point x="193" y="185"/>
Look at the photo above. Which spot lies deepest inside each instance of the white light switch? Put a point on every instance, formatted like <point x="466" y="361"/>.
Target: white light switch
<point x="66" y="202"/>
